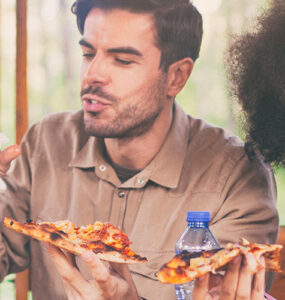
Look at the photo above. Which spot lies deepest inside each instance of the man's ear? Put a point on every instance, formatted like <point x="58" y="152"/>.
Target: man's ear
<point x="178" y="74"/>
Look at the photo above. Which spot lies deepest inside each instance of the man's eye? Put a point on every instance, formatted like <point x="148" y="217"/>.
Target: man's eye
<point x="88" y="55"/>
<point x="123" y="61"/>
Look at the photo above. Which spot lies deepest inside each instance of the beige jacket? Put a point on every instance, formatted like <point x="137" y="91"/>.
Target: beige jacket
<point x="62" y="174"/>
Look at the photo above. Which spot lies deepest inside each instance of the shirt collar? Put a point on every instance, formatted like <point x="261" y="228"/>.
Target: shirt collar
<point x="90" y="155"/>
<point x="164" y="169"/>
<point x="167" y="165"/>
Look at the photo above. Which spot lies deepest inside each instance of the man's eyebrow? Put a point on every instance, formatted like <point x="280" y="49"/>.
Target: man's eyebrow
<point x="126" y="50"/>
<point x="82" y="42"/>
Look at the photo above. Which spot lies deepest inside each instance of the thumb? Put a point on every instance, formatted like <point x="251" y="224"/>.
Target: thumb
<point x="200" y="290"/>
<point x="121" y="269"/>
<point x="95" y="265"/>
<point x="7" y="155"/>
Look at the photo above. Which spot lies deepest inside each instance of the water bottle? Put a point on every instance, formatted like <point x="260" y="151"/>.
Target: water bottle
<point x="196" y="237"/>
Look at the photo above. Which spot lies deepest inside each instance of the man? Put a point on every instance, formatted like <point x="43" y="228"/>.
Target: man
<point x="256" y="68"/>
<point x="131" y="157"/>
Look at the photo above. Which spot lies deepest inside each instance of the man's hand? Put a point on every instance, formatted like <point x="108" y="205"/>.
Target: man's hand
<point x="238" y="283"/>
<point x="115" y="283"/>
<point x="6" y="156"/>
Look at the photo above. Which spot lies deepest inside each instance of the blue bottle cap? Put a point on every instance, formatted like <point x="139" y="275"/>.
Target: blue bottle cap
<point x="198" y="216"/>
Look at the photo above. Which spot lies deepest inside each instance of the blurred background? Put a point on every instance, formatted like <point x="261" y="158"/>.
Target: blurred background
<point x="54" y="58"/>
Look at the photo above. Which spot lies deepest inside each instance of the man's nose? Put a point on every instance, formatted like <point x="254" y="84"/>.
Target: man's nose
<point x="96" y="73"/>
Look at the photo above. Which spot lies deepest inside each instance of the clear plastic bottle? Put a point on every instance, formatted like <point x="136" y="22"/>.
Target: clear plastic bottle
<point x="196" y="237"/>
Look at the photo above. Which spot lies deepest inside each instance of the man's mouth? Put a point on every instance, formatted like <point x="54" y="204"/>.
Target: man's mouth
<point x="95" y="99"/>
<point x="91" y="105"/>
<point x="92" y="101"/>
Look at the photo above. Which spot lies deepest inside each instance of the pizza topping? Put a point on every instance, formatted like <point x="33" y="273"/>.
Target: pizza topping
<point x="108" y="241"/>
<point x="187" y="266"/>
<point x="104" y="232"/>
<point x="55" y="236"/>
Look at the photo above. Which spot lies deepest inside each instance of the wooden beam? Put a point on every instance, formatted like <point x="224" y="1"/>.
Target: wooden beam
<point x="22" y="279"/>
<point x="22" y="285"/>
<point x="21" y="70"/>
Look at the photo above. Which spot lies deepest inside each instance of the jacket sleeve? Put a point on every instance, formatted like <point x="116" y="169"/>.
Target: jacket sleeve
<point x="14" y="203"/>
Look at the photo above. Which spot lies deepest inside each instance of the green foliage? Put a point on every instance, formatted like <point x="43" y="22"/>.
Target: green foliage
<point x="280" y="181"/>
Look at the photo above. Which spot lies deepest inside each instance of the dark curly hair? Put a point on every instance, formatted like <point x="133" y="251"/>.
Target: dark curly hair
<point x="255" y="65"/>
<point x="178" y="24"/>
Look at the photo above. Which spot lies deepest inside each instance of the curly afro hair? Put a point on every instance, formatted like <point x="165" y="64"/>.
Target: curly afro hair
<point x="255" y="64"/>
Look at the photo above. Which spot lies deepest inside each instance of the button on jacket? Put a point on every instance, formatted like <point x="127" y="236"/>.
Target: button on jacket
<point x="63" y="174"/>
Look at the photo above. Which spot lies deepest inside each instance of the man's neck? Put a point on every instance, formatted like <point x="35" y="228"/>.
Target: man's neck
<point x="137" y="152"/>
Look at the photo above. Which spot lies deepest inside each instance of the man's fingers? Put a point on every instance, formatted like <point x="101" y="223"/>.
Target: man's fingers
<point x="237" y="283"/>
<point x="98" y="270"/>
<point x="7" y="155"/>
<point x="200" y="290"/>
<point x="71" y="258"/>
<point x="108" y="284"/>
<point x="231" y="278"/>
<point x="245" y="279"/>
<point x="258" y="285"/>
<point x="121" y="269"/>
<point x="66" y="270"/>
<point x="215" y="280"/>
<point x="10" y="153"/>
<point x="125" y="273"/>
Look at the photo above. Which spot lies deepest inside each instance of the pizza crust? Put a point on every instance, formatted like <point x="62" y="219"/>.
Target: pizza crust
<point x="187" y="266"/>
<point x="65" y="235"/>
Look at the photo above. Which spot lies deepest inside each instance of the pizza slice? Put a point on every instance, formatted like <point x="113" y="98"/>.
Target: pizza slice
<point x="106" y="240"/>
<point x="188" y="266"/>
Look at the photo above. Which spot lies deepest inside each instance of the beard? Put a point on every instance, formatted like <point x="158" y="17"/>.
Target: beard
<point x="129" y="118"/>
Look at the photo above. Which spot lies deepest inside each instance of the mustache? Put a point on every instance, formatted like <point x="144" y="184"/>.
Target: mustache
<point x="98" y="92"/>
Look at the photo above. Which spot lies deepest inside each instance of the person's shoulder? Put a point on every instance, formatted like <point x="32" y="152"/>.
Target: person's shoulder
<point x="223" y="147"/>
<point x="204" y="135"/>
<point x="59" y="121"/>
<point x="220" y="145"/>
<point x="57" y="135"/>
<point x="221" y="155"/>
<point x="62" y="126"/>
<point x="63" y="117"/>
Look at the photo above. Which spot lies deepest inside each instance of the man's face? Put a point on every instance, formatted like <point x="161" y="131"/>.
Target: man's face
<point x="122" y="88"/>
